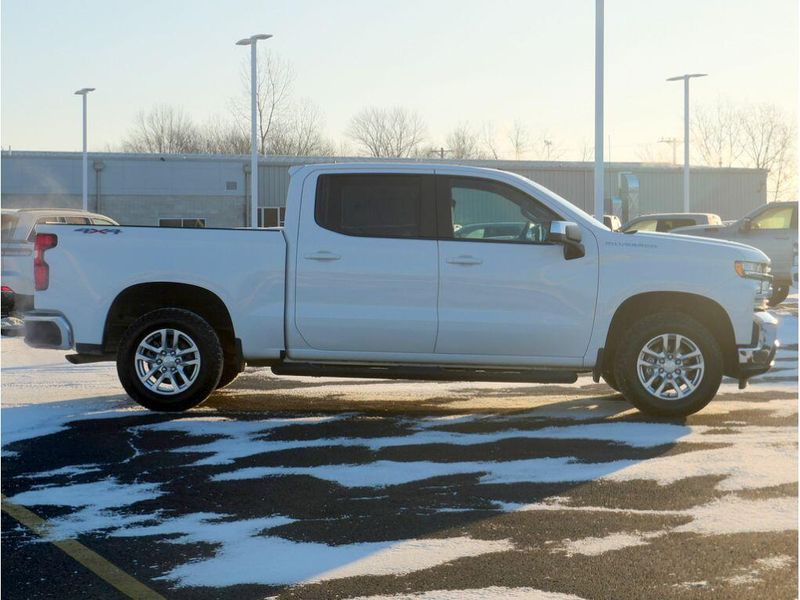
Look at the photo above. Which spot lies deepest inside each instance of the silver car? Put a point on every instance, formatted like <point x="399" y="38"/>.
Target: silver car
<point x="771" y="228"/>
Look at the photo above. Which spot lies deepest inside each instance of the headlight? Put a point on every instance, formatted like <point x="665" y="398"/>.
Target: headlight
<point x="759" y="272"/>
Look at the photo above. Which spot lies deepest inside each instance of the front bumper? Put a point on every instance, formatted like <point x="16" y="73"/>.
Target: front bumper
<point x="48" y="330"/>
<point x="758" y="357"/>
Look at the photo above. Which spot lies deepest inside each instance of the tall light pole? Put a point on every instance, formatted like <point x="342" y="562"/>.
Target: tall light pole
<point x="599" y="184"/>
<point x="85" y="163"/>
<point x="252" y="41"/>
<point x="686" y="78"/>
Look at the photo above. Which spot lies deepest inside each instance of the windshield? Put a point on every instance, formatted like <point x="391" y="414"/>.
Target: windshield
<point x="9" y="224"/>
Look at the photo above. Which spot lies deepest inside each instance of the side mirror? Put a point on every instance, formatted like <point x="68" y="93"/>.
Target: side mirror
<point x="745" y="226"/>
<point x="568" y="234"/>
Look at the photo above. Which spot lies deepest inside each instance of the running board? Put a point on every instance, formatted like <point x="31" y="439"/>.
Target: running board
<point x="425" y="373"/>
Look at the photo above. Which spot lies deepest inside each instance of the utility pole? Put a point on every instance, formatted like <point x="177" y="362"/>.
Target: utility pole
<point x="674" y="143"/>
<point x="599" y="183"/>
<point x="84" y="92"/>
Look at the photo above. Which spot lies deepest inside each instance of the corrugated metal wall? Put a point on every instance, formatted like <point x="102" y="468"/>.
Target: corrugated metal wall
<point x="193" y="184"/>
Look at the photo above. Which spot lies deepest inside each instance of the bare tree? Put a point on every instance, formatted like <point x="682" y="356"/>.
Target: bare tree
<point x="218" y="136"/>
<point x="300" y="134"/>
<point x="587" y="151"/>
<point x="717" y="134"/>
<point x="768" y="137"/>
<point x="520" y="139"/>
<point x="273" y="95"/>
<point x="547" y="148"/>
<point x="489" y="141"/>
<point x="463" y="143"/>
<point x="163" y="129"/>
<point x="395" y="132"/>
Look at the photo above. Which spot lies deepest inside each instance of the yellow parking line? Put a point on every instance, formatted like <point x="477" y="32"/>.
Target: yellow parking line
<point x="88" y="558"/>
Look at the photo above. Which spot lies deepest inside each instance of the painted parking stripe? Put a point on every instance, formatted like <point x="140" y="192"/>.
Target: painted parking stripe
<point x="88" y="558"/>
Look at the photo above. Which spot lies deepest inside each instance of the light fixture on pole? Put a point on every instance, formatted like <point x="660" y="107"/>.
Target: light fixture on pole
<point x="252" y="42"/>
<point x="686" y="78"/>
<point x="85" y="163"/>
<point x="599" y="183"/>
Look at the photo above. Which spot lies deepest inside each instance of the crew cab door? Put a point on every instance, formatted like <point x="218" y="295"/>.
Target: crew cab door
<point x="504" y="290"/>
<point x="367" y="271"/>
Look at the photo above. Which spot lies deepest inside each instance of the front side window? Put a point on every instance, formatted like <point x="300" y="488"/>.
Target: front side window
<point x="490" y="211"/>
<point x="665" y="225"/>
<point x="646" y="225"/>
<point x="376" y="205"/>
<point x="773" y="218"/>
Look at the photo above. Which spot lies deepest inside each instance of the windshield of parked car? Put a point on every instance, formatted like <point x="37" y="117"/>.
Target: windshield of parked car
<point x="9" y="224"/>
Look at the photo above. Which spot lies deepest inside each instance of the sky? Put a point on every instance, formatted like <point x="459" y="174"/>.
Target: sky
<point x="453" y="61"/>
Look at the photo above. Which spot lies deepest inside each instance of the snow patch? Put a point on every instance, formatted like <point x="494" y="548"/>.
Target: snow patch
<point x="489" y="593"/>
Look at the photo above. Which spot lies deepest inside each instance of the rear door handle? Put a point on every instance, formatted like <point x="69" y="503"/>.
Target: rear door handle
<point x="322" y="255"/>
<point x="464" y="259"/>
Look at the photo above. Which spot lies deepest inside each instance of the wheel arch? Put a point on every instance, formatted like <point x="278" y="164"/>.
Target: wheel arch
<point x="704" y="309"/>
<point x="139" y="299"/>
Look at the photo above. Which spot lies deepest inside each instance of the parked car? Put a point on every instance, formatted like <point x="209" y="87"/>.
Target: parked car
<point x="612" y="222"/>
<point x="771" y="228"/>
<point x="369" y="279"/>
<point x="18" y="232"/>
<point x="665" y="222"/>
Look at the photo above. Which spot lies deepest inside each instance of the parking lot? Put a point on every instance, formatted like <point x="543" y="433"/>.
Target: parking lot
<point x="312" y="488"/>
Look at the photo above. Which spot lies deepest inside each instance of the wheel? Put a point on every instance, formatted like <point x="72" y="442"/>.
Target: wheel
<point x="230" y="371"/>
<point x="668" y="364"/>
<point x="779" y="293"/>
<point x="169" y="360"/>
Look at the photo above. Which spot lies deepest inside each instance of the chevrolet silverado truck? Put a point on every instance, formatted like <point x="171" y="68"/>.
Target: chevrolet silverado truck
<point x="407" y="271"/>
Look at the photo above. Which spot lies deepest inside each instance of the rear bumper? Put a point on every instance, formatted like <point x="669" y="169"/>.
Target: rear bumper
<point x="48" y="330"/>
<point x="759" y="357"/>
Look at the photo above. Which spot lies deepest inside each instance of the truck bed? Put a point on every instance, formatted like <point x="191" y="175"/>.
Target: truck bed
<point x="90" y="266"/>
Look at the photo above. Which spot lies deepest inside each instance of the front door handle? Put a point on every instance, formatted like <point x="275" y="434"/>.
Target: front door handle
<point x="322" y="255"/>
<point x="464" y="259"/>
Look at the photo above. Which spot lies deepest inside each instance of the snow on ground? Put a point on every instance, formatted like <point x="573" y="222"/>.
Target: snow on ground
<point x="41" y="393"/>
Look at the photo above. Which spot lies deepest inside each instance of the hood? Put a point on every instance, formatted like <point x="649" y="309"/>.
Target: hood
<point x="736" y="250"/>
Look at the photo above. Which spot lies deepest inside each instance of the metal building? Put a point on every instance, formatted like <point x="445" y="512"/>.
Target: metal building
<point x="212" y="191"/>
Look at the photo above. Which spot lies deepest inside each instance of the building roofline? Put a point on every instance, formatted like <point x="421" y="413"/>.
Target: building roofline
<point x="280" y="160"/>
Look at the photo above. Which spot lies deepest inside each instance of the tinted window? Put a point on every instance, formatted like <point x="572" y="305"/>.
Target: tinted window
<point x="376" y="205"/>
<point x="481" y="209"/>
<point x="773" y="218"/>
<point x="77" y="220"/>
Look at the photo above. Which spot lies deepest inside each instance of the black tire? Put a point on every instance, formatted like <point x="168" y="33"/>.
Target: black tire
<point x="646" y="329"/>
<point x="608" y="377"/>
<point x="780" y="292"/>
<point x="230" y="371"/>
<point x="208" y="348"/>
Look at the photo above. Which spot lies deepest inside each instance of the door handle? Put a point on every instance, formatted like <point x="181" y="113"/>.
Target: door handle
<point x="322" y="255"/>
<point x="464" y="259"/>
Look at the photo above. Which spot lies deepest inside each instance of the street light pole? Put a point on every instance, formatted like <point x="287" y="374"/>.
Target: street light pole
<point x="599" y="184"/>
<point x="686" y="78"/>
<point x="252" y="42"/>
<point x="85" y="162"/>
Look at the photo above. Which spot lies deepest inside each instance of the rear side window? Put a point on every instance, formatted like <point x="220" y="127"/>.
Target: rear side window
<point x="51" y="220"/>
<point x="98" y="221"/>
<point x="77" y="220"/>
<point x="379" y="205"/>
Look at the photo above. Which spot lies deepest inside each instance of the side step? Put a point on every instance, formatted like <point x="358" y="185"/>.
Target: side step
<point x="425" y="373"/>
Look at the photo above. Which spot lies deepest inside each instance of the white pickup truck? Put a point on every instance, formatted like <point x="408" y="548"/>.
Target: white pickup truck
<point x="409" y="271"/>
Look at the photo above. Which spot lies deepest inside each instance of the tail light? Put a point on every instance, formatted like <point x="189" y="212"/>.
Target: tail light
<point x="41" y="270"/>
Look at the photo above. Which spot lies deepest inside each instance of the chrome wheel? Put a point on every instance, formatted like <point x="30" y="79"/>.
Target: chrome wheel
<point x="670" y="366"/>
<point x="167" y="361"/>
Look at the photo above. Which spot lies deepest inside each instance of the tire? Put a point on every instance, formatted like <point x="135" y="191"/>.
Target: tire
<point x="779" y="294"/>
<point x="230" y="371"/>
<point x="608" y="377"/>
<point x="190" y="382"/>
<point x="699" y="376"/>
